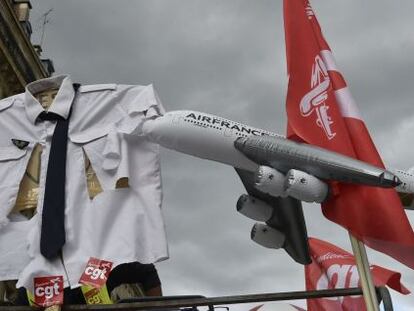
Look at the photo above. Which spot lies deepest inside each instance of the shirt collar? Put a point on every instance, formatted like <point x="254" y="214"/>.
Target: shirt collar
<point x="61" y="104"/>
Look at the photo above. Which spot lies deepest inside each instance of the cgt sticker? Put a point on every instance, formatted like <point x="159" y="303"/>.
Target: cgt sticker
<point x="96" y="272"/>
<point x="48" y="290"/>
<point x="95" y="296"/>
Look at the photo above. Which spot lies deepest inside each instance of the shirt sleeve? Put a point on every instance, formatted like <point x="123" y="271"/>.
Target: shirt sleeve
<point x="139" y="104"/>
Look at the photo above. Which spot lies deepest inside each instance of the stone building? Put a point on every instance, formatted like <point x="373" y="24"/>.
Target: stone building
<point x="20" y="61"/>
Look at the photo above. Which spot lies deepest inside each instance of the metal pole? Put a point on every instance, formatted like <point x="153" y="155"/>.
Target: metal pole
<point x="176" y="302"/>
<point x="364" y="272"/>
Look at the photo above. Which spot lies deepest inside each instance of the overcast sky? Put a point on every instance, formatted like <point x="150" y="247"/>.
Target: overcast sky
<point x="228" y="58"/>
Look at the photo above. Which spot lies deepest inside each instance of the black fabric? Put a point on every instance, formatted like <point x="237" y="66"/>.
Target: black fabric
<point x="49" y="116"/>
<point x="133" y="272"/>
<point x="53" y="235"/>
<point x="73" y="296"/>
<point x="21" y="297"/>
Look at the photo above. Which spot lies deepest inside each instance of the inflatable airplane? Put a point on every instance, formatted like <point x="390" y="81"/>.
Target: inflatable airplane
<point x="277" y="173"/>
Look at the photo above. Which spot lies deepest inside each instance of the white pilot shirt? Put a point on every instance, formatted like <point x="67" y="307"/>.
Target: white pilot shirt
<point x="119" y="225"/>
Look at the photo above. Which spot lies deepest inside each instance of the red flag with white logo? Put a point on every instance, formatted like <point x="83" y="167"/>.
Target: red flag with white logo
<point x="321" y="111"/>
<point x="48" y="291"/>
<point x="334" y="268"/>
<point x="96" y="272"/>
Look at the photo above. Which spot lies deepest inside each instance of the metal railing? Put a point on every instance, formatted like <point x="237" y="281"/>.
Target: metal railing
<point x="178" y="302"/>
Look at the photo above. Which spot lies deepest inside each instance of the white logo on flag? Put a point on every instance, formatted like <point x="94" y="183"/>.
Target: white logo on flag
<point x="309" y="11"/>
<point x="339" y="276"/>
<point x="315" y="99"/>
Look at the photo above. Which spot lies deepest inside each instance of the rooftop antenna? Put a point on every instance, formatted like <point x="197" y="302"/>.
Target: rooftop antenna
<point x="45" y="20"/>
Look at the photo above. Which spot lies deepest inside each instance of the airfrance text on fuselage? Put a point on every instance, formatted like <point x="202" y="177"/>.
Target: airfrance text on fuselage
<point x="226" y="124"/>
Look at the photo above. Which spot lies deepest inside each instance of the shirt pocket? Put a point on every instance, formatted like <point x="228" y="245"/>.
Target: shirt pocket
<point x="107" y="152"/>
<point x="101" y="154"/>
<point x="13" y="163"/>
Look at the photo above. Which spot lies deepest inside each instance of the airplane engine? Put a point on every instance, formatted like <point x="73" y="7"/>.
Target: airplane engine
<point x="269" y="180"/>
<point x="254" y="208"/>
<point x="267" y="236"/>
<point x="305" y="187"/>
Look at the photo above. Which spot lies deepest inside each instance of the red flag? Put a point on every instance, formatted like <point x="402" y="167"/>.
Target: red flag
<point x="333" y="268"/>
<point x="321" y="111"/>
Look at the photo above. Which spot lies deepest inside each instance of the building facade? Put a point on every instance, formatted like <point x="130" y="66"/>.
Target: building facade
<point x="20" y="61"/>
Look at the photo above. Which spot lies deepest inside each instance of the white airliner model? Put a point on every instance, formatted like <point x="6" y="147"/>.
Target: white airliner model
<point x="277" y="173"/>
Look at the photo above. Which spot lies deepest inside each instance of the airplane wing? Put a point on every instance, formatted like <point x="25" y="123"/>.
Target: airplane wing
<point x="283" y="154"/>
<point x="287" y="217"/>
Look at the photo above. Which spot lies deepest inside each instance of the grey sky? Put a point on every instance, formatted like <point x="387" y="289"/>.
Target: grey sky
<point x="228" y="58"/>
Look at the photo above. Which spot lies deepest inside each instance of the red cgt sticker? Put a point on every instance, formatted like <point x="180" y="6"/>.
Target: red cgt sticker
<point x="48" y="290"/>
<point x="96" y="272"/>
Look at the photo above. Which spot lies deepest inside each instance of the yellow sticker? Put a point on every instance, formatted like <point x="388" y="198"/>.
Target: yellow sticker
<point x="30" y="297"/>
<point x="95" y="296"/>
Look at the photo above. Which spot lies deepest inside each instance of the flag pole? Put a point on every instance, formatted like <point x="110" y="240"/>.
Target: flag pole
<point x="368" y="288"/>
